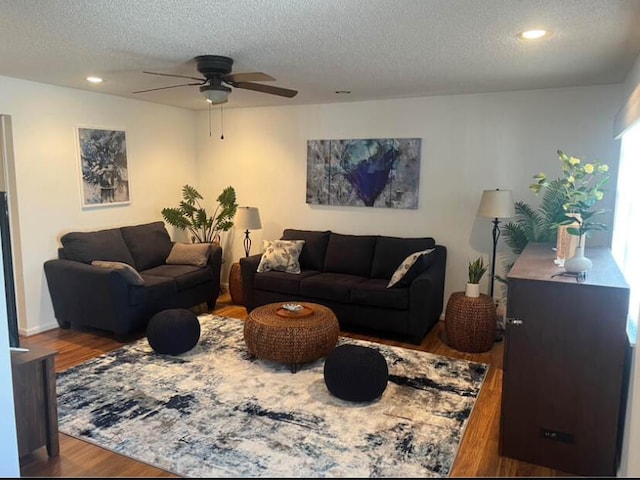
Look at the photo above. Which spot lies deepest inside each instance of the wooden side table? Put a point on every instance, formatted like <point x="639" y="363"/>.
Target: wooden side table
<point x="235" y="284"/>
<point x="34" y="395"/>
<point x="470" y="322"/>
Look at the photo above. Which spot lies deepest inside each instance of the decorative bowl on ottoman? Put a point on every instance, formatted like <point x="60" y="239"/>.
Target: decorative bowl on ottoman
<point x="355" y="373"/>
<point x="173" y="331"/>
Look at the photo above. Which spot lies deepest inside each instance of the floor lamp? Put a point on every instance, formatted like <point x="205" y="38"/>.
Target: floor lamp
<point x="496" y="204"/>
<point x="247" y="218"/>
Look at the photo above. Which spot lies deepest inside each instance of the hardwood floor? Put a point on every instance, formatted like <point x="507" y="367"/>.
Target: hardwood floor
<point x="477" y="456"/>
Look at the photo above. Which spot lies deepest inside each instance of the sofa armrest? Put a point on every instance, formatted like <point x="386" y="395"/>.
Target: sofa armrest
<point x="248" y="269"/>
<point x="426" y="294"/>
<point x="215" y="263"/>
<point x="85" y="294"/>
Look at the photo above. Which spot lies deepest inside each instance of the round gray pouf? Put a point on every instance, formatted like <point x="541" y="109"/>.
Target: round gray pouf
<point x="355" y="373"/>
<point x="173" y="331"/>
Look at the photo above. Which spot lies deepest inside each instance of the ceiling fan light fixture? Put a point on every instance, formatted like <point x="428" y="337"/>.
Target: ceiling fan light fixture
<point x="215" y="94"/>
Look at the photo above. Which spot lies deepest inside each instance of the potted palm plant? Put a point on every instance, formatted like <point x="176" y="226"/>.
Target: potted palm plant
<point x="192" y="216"/>
<point x="477" y="269"/>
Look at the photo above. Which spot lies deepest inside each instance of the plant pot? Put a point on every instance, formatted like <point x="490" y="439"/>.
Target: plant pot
<point x="472" y="290"/>
<point x="578" y="263"/>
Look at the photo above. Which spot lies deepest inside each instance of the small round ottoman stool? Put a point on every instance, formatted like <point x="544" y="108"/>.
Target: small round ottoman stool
<point x="173" y="331"/>
<point x="355" y="373"/>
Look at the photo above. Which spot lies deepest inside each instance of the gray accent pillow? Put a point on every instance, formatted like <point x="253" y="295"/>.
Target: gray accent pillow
<point x="281" y="255"/>
<point x="196" y="254"/>
<point x="130" y="274"/>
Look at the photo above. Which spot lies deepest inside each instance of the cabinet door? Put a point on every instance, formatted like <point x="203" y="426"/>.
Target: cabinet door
<point x="563" y="367"/>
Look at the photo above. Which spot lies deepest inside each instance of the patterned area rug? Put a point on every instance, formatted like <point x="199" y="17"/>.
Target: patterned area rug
<point x="216" y="412"/>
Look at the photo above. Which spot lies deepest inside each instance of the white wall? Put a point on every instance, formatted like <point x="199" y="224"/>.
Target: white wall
<point x="161" y="158"/>
<point x="469" y="143"/>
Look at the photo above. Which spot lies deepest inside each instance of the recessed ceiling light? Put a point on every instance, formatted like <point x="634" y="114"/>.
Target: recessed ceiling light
<point x="533" y="34"/>
<point x="94" y="79"/>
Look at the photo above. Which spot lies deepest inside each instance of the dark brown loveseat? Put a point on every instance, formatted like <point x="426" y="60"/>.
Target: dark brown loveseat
<point x="349" y="274"/>
<point x="122" y="301"/>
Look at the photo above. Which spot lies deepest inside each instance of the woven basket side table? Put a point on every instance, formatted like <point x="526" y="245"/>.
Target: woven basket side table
<point x="470" y="322"/>
<point x="290" y="339"/>
<point x="235" y="284"/>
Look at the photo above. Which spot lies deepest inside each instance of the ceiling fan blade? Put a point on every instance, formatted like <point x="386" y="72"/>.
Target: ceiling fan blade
<point x="248" y="77"/>
<point x="177" y="76"/>
<point x="283" y="92"/>
<point x="172" y="86"/>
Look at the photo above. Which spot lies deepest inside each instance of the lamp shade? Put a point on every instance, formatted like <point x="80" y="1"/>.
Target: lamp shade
<point x="496" y="204"/>
<point x="247" y="218"/>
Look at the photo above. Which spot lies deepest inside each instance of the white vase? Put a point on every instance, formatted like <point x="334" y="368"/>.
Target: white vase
<point x="472" y="290"/>
<point x="578" y="263"/>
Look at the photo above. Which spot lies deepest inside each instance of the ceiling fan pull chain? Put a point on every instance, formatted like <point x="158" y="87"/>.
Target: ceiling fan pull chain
<point x="209" y="119"/>
<point x="221" y="124"/>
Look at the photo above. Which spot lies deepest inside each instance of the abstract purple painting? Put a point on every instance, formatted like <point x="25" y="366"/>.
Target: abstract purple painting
<point x="364" y="172"/>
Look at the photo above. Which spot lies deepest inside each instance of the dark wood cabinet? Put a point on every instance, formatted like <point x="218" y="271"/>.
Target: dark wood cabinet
<point x="566" y="363"/>
<point x="34" y="396"/>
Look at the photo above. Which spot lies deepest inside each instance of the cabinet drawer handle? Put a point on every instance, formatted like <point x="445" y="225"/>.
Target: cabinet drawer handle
<point x="515" y="321"/>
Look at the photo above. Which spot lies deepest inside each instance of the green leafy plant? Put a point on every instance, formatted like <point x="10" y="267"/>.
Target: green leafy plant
<point x="191" y="216"/>
<point x="537" y="225"/>
<point x="477" y="269"/>
<point x="581" y="186"/>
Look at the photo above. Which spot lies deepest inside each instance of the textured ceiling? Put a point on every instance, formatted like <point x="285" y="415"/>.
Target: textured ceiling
<point x="377" y="49"/>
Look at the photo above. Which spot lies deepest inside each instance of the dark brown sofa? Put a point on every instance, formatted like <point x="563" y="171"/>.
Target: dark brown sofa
<point x="84" y="295"/>
<point x="349" y="274"/>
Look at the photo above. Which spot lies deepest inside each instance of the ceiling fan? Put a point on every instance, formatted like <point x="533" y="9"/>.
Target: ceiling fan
<point x="216" y="71"/>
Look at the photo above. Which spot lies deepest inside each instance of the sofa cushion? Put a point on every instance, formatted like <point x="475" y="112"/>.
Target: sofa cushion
<point x="314" y="249"/>
<point x="185" y="276"/>
<point x="330" y="286"/>
<point x="105" y="245"/>
<point x="350" y="254"/>
<point x="154" y="289"/>
<point x="281" y="255"/>
<point x="411" y="267"/>
<point x="196" y="254"/>
<point x="149" y="244"/>
<point x="129" y="273"/>
<point x="282" y="282"/>
<point x="390" y="252"/>
<point x="374" y="292"/>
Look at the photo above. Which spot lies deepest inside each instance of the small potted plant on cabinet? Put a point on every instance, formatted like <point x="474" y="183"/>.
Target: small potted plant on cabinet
<point x="477" y="269"/>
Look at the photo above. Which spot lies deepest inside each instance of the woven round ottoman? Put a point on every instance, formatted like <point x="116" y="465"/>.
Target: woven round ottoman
<point x="470" y="322"/>
<point x="272" y="333"/>
<point x="173" y="331"/>
<point x="355" y="373"/>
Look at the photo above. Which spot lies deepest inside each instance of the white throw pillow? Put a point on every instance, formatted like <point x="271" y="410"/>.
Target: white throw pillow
<point x="410" y="268"/>
<point x="281" y="255"/>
